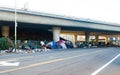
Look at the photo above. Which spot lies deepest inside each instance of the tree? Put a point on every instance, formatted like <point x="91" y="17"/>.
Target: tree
<point x="4" y="44"/>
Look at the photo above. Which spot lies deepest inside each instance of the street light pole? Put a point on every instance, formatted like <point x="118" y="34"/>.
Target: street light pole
<point x="15" y="25"/>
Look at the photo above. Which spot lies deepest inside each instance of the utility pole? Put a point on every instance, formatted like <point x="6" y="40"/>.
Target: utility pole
<point x="15" y="25"/>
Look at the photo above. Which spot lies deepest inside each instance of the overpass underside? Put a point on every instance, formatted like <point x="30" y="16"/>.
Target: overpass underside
<point x="31" y="31"/>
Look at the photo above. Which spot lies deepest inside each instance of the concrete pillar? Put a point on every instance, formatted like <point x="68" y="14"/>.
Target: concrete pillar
<point x="107" y="40"/>
<point x="75" y="35"/>
<point x="56" y="34"/>
<point x="87" y="35"/>
<point x="97" y="38"/>
<point x="5" y="31"/>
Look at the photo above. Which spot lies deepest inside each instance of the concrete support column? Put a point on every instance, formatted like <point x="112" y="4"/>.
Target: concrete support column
<point x="107" y="40"/>
<point x="87" y="35"/>
<point x="75" y="35"/>
<point x="97" y="38"/>
<point x="5" y="31"/>
<point x="56" y="34"/>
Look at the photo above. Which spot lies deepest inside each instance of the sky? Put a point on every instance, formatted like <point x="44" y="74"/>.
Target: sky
<point x="101" y="10"/>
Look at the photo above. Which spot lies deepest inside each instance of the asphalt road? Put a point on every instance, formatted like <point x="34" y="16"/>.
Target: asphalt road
<point x="94" y="61"/>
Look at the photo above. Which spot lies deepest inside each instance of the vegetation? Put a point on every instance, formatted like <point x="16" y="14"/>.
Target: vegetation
<point x="4" y="44"/>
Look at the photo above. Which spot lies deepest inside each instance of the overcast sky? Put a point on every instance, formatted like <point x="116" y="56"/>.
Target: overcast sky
<point x="103" y="10"/>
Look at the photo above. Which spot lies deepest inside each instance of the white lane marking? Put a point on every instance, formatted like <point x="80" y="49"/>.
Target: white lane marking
<point x="46" y="62"/>
<point x="104" y="66"/>
<point x="9" y="63"/>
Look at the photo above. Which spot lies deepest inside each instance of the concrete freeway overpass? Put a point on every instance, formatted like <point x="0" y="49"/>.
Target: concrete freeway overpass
<point x="56" y="23"/>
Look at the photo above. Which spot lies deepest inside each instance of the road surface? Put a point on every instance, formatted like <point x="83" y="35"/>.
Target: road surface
<point x="93" y="61"/>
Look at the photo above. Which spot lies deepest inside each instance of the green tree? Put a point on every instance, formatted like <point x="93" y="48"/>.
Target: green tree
<point x="4" y="45"/>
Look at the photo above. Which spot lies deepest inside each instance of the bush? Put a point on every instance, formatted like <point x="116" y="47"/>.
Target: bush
<point x="4" y="45"/>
